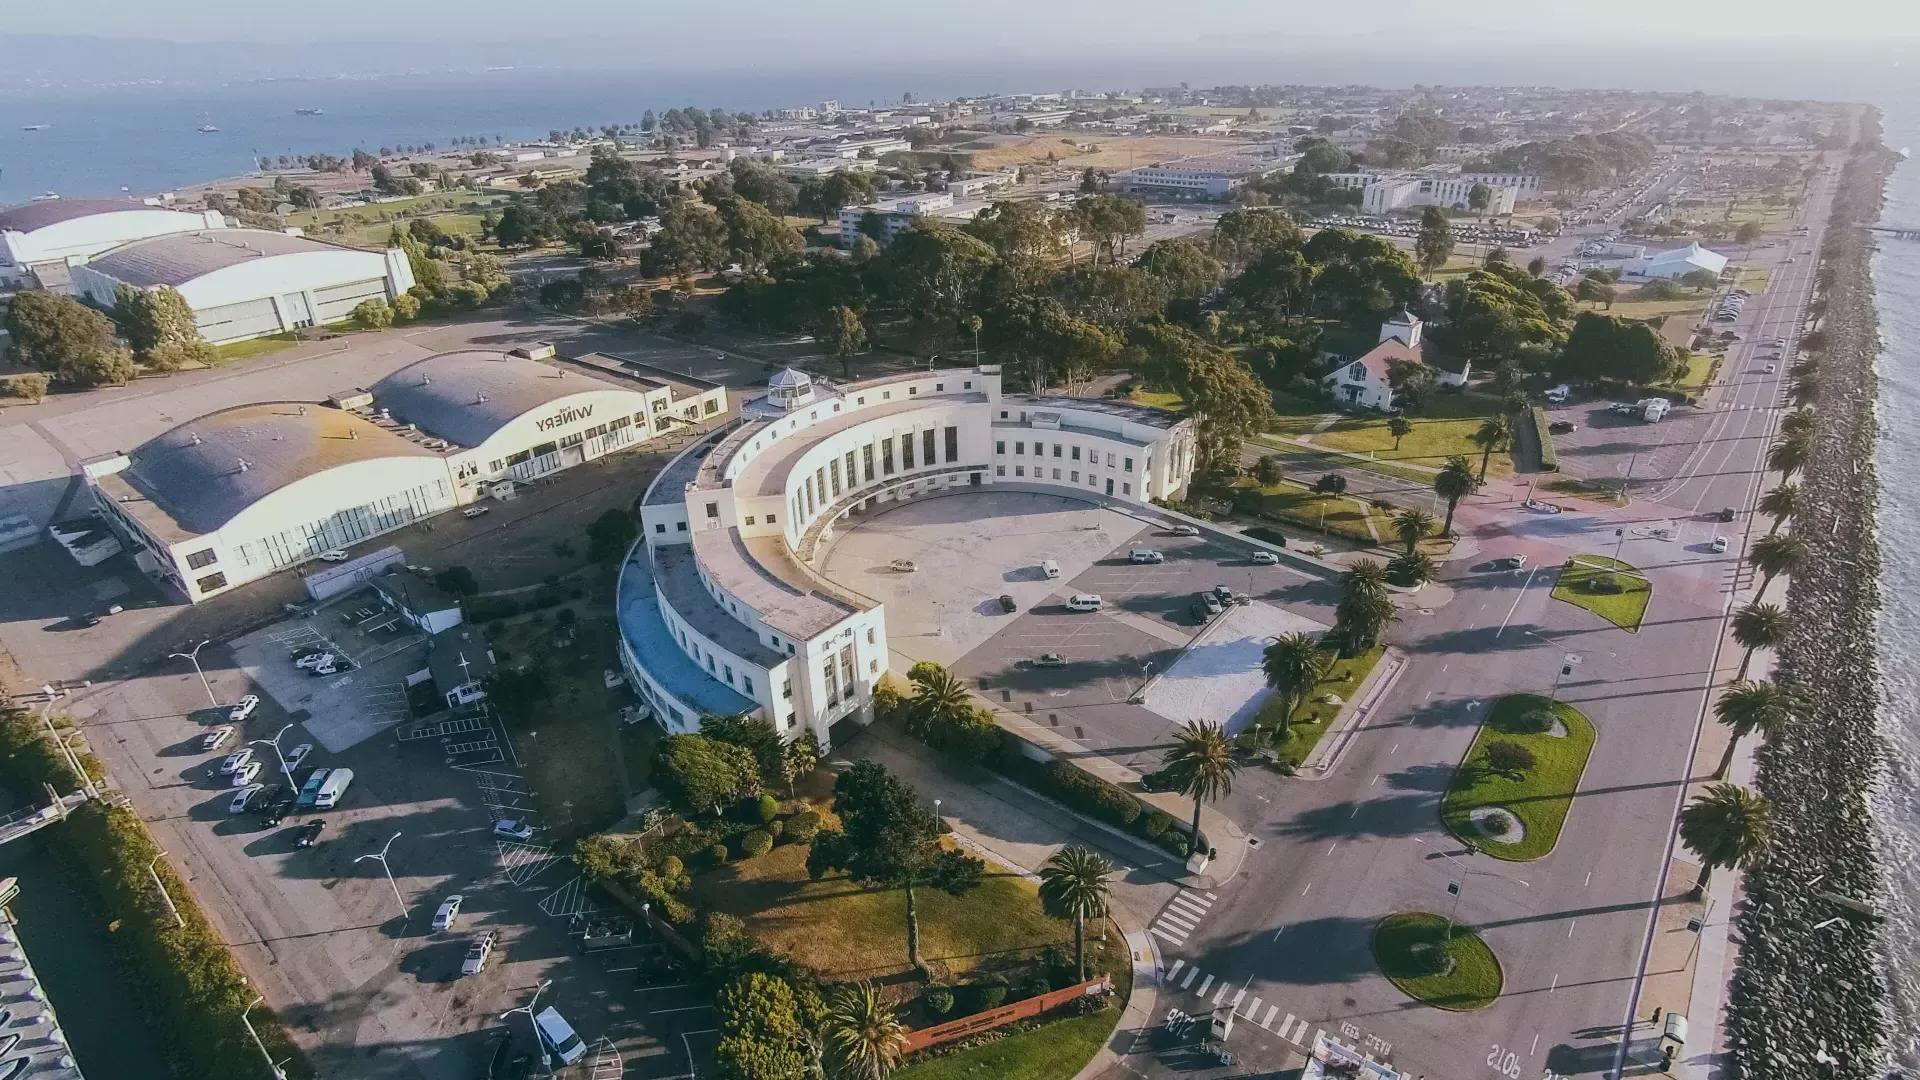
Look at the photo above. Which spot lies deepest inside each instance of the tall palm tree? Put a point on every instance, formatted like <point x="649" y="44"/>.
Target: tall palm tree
<point x="938" y="698"/>
<point x="1201" y="765"/>
<point x="1779" y="503"/>
<point x="1775" y="554"/>
<point x="1073" y="885"/>
<point x="1799" y="422"/>
<point x="1412" y="526"/>
<point x="1492" y="435"/>
<point x="1805" y="389"/>
<point x="1453" y="482"/>
<point x="1749" y="707"/>
<point x="1758" y="626"/>
<point x="1789" y="455"/>
<point x="1365" y="607"/>
<point x="864" y="1039"/>
<point x="1725" y="826"/>
<point x="1294" y="664"/>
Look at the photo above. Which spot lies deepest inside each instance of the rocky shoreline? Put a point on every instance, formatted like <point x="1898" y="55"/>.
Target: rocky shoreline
<point x="1808" y="997"/>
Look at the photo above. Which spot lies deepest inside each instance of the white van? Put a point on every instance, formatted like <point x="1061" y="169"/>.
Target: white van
<point x="335" y="786"/>
<point x="557" y="1037"/>
<point x="1050" y="568"/>
<point x="1083" y="602"/>
<point x="1558" y="395"/>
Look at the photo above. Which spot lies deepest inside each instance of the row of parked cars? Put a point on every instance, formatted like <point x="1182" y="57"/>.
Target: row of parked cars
<point x="1729" y="307"/>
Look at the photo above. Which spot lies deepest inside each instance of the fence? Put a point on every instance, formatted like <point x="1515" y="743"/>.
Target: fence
<point x="1006" y="1014"/>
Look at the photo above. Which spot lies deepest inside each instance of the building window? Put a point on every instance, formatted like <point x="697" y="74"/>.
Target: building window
<point x="866" y="463"/>
<point x="1056" y="474"/>
<point x="940" y="387"/>
<point x="912" y="391"/>
<point x="832" y="680"/>
<point x="713" y="510"/>
<point x="968" y="385"/>
<point x="749" y="519"/>
<point x="886" y="395"/>
<point x="1126" y="489"/>
<point x="770" y="520"/>
<point x="729" y="668"/>
<point x="906" y="451"/>
<point x="1000" y="446"/>
<point x="953" y="444"/>
<point x="1003" y="414"/>
<point x="850" y="473"/>
<point x="1075" y="478"/>
<point x="846" y="668"/>
<point x="1019" y="447"/>
<point x="834" y="472"/>
<point x="836" y="406"/>
<point x="1109" y="461"/>
<point x="203" y="557"/>
<point x="886" y="456"/>
<point x="926" y="447"/>
<point x="820" y="474"/>
<point x="1019" y="470"/>
<point x="1129" y="465"/>
<point x="746" y="685"/>
<point x="211" y="582"/>
<point x="999" y="470"/>
<point x="873" y="667"/>
<point x="786" y="690"/>
<point x="1076" y="453"/>
<point x="680" y="526"/>
<point x="1056" y="450"/>
<point x="660" y="527"/>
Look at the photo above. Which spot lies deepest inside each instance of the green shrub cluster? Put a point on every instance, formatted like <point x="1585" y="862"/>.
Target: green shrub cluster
<point x="1271" y="536"/>
<point x="756" y="843"/>
<point x="802" y="826"/>
<point x="627" y="863"/>
<point x="1088" y="793"/>
<point x="1549" y="457"/>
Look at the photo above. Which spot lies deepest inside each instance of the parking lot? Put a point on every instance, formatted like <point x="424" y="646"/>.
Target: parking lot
<point x="971" y="548"/>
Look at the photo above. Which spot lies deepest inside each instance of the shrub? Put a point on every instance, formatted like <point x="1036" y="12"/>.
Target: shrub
<point x="1035" y="987"/>
<point x="1508" y="759"/>
<point x="486" y="609"/>
<point x="756" y="843"/>
<point x="1531" y="722"/>
<point x="1549" y="458"/>
<point x="1606" y="584"/>
<point x="1085" y="791"/>
<point x="1261" y="532"/>
<point x="372" y="315"/>
<point x="1494" y="824"/>
<point x="1156" y="823"/>
<point x="717" y="854"/>
<point x="989" y="993"/>
<point x="776" y="828"/>
<point x="802" y="826"/>
<point x="672" y="867"/>
<point x="766" y="808"/>
<point x="938" y="1000"/>
<point x="1331" y="484"/>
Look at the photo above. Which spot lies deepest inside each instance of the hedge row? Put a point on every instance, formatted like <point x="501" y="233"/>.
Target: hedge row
<point x="1094" y="797"/>
<point x="1543" y="433"/>
<point x="184" y="978"/>
<point x="1271" y="536"/>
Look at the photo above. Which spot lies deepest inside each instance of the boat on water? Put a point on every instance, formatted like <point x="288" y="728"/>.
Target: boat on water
<point x="207" y="127"/>
<point x="45" y="196"/>
<point x="36" y="127"/>
<point x="309" y="112"/>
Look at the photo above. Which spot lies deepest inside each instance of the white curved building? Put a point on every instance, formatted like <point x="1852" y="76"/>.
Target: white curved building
<point x="720" y="610"/>
<point x="49" y="235"/>
<point x="247" y="283"/>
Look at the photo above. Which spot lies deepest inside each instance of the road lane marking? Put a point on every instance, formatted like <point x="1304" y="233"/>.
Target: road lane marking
<point x="1570" y="927"/>
<point x="1224" y="987"/>
<point x="1272" y="1010"/>
<point x="1556" y="983"/>
<point x="1191" y="972"/>
<point x="1203" y="986"/>
<point x="1210" y="896"/>
<point x="1516" y="603"/>
<point x="1535" y="1046"/>
<point x="1589" y="880"/>
<point x="1281" y="930"/>
<point x="1331" y="846"/>
<point x="1375" y="780"/>
<point x="1396" y="748"/>
<point x="1307" y="890"/>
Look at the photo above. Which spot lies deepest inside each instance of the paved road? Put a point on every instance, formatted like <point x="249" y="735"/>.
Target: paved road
<point x="1291" y="932"/>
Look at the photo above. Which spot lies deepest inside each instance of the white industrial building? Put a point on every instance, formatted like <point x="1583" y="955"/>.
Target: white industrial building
<point x="720" y="608"/>
<point x="1385" y="191"/>
<point x="43" y="238"/>
<point x="244" y="492"/>
<point x="248" y="283"/>
<point x="898" y="215"/>
<point x="1214" y="176"/>
<point x="1676" y="263"/>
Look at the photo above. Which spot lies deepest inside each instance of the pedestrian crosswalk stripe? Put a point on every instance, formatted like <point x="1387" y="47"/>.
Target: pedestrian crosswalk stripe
<point x="1224" y="987"/>
<point x="1210" y="896"/>
<point x="1175" y="969"/>
<point x="1170" y="919"/>
<point x="1237" y="998"/>
<point x="1184" y="912"/>
<point x="1182" y="905"/>
<point x="1253" y="1010"/>
<point x="1157" y="932"/>
<point x="1286" y="1026"/>
<point x="1272" y="1010"/>
<point x="1303" y="1035"/>
<point x="1191" y="972"/>
<point x="1203" y="986"/>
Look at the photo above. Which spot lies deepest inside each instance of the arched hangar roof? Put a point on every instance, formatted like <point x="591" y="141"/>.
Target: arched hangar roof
<point x="38" y="215"/>
<point x="466" y="396"/>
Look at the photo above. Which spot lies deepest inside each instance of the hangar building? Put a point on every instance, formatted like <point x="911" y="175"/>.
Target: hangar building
<point x="43" y="238"/>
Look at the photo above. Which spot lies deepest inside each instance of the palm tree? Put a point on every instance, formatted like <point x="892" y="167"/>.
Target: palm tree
<point x="1758" y="626"/>
<point x="1799" y="422"/>
<point x="1201" y="765"/>
<point x="1453" y="483"/>
<point x="1413" y="570"/>
<point x="1399" y="427"/>
<point x="1779" y="504"/>
<point x="1789" y="455"/>
<point x="1073" y="885"/>
<point x="1493" y="434"/>
<point x="938" y="698"/>
<point x="863" y="1037"/>
<point x="1412" y="526"/>
<point x="1726" y="826"/>
<point x="1365" y="607"/>
<point x="1775" y="554"/>
<point x="1749" y="707"/>
<point x="1805" y="389"/>
<point x="1294" y="664"/>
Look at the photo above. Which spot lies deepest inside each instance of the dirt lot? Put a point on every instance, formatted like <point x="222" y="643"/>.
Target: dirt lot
<point x="1114" y="152"/>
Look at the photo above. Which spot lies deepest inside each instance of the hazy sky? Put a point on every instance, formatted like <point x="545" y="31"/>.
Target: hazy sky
<point x="739" y="30"/>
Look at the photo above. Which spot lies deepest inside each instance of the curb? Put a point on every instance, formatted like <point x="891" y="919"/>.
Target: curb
<point x="1136" y="1018"/>
<point x="1353" y="718"/>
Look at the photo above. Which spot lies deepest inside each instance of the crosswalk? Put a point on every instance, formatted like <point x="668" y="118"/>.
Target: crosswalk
<point x="1250" y="1007"/>
<point x="1181" y="916"/>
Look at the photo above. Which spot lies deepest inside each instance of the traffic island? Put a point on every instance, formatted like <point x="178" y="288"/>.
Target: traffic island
<point x="1437" y="962"/>
<point x="1609" y="588"/>
<point x="1523" y="769"/>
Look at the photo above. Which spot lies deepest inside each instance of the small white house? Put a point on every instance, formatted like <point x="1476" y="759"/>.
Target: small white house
<point x="1365" y="382"/>
<point x="1677" y="263"/>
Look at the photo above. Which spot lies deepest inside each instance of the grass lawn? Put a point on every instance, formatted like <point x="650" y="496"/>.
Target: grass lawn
<point x="1699" y="373"/>
<point x="1337" y="515"/>
<point x="1307" y="461"/>
<point x="1049" y="1052"/>
<point x="1313" y="718"/>
<point x="1155" y="399"/>
<point x="1590" y="490"/>
<point x="845" y="931"/>
<point x="376" y="235"/>
<point x="1755" y="279"/>
<point x="252" y="347"/>
<point x="1407" y="947"/>
<point x="1540" y="798"/>
<point x="1441" y="431"/>
<point x="1691" y="307"/>
<point x="1623" y="609"/>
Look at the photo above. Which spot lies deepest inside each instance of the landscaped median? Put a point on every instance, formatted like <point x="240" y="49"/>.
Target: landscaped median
<point x="1611" y="589"/>
<point x="1436" y="961"/>
<point x="1512" y="791"/>
<point x="1295" y="737"/>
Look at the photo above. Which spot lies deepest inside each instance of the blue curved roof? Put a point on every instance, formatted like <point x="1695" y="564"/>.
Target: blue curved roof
<point x="659" y="653"/>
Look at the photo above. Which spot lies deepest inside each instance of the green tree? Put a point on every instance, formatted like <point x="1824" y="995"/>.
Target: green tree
<point x="1365" y="608"/>
<point x="1778" y="504"/>
<point x="374" y="314"/>
<point x="1411" y="569"/>
<point x="1788" y="456"/>
<point x="888" y="840"/>
<point x="699" y="774"/>
<point x="767" y="1028"/>
<point x="1747" y="233"/>
<point x="1019" y="229"/>
<point x="1227" y="401"/>
<point x="1399" y="427"/>
<point x="1775" y="554"/>
<point x="1267" y="470"/>
<point x="752" y="732"/>
<point x="755" y="236"/>
<point x="159" y="327"/>
<point x="1412" y="526"/>
<point x="1749" y="707"/>
<point x="1294" y="665"/>
<point x="1454" y="482"/>
<point x="933" y="272"/>
<point x="1073" y="885"/>
<point x="1183" y="268"/>
<point x="1726" y="826"/>
<point x="1700" y="280"/>
<point x="457" y="580"/>
<point x="864" y="1039"/>
<point x="1509" y="759"/>
<point x="842" y="333"/>
<point x="797" y="759"/>
<point x="1479" y="197"/>
<point x="763" y="184"/>
<point x="59" y="334"/>
<point x="1200" y="765"/>
<point x="610" y="535"/>
<point x="1758" y="626"/>
<point x="1492" y="435"/>
<point x="1434" y="244"/>
<point x="691" y="238"/>
<point x="1242" y="236"/>
<point x="1108" y="221"/>
<point x="1607" y="347"/>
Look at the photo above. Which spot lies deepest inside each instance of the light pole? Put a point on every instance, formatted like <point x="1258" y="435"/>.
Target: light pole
<point x="275" y="743"/>
<point x="545" y="1059"/>
<point x="194" y="656"/>
<point x="1458" y="887"/>
<point x="381" y="856"/>
<point x="278" y="1072"/>
<point x="1565" y="669"/>
<point x="177" y="920"/>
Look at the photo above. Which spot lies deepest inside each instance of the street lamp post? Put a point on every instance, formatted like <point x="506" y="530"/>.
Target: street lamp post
<point x="1565" y="669"/>
<point x="194" y="656"/>
<point x="381" y="857"/>
<point x="275" y="743"/>
<point x="545" y="1058"/>
<point x="177" y="920"/>
<point x="278" y="1072"/>
<point x="1458" y="887"/>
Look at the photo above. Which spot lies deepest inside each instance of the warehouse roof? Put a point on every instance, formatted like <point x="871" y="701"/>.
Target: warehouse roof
<point x="38" y="215"/>
<point x="205" y="471"/>
<point x="178" y="258"/>
<point x="466" y="396"/>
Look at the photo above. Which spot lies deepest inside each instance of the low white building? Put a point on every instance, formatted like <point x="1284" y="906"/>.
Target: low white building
<point x="1676" y="263"/>
<point x="721" y="611"/>
<point x="1385" y="191"/>
<point x="1367" y="381"/>
<point x="52" y="234"/>
<point x="1213" y="176"/>
<point x="247" y="283"/>
<point x="897" y="215"/>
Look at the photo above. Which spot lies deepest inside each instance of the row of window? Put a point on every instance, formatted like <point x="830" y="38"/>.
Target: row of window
<point x="1040" y="450"/>
<point x="825" y="483"/>
<point x="1039" y="473"/>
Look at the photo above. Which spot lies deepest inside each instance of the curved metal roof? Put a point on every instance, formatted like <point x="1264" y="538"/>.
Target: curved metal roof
<point x="177" y="258"/>
<point x="38" y="215"/>
<point x="466" y="396"/>
<point x="208" y="470"/>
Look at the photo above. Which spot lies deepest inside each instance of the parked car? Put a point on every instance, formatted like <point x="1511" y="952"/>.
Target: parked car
<point x="1263" y="558"/>
<point x="336" y="555"/>
<point x="1517" y="562"/>
<point x="246" y="774"/>
<point x="309" y="834"/>
<point x="477" y="953"/>
<point x="1007" y="605"/>
<point x="236" y="761"/>
<point x="1145" y="555"/>
<point x="474" y="511"/>
<point x="1052" y="659"/>
<point x="1211" y="602"/>
<point x="297" y="755"/>
<point x="310" y="660"/>
<point x="449" y="911"/>
<point x="328" y="666"/>
<point x="902" y="566"/>
<point x="217" y="738"/>
<point x="513" y="829"/>
<point x="86" y="619"/>
<point x="557" y="1037"/>
<point x="274" y="811"/>
<point x="1727" y="513"/>
<point x="1083" y="602"/>
<point x="1561" y="427"/>
<point x="245" y="798"/>
<point x="243" y="709"/>
<point x="1719" y="544"/>
<point x="1771" y="368"/>
<point x="1183" y="530"/>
